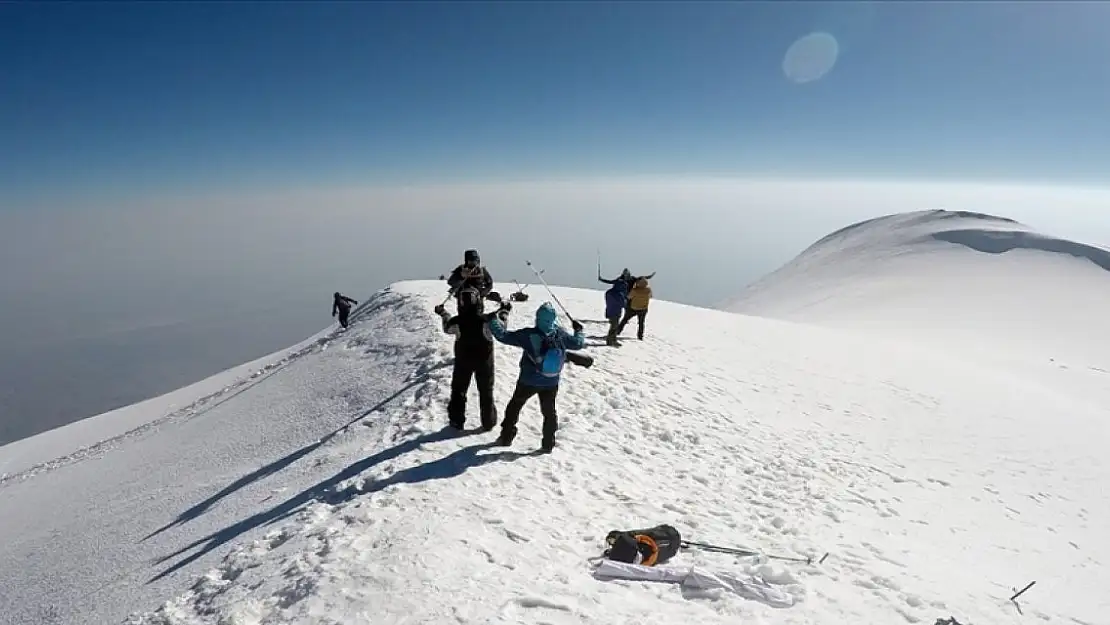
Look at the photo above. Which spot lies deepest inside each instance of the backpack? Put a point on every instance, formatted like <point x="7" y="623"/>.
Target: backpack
<point x="646" y="547"/>
<point x="552" y="356"/>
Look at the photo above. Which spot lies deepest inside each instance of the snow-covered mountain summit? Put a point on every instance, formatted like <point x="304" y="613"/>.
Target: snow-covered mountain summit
<point x="322" y="487"/>
<point x="978" y="283"/>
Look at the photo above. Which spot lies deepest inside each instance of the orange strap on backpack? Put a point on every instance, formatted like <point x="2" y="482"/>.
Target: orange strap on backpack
<point x="649" y="559"/>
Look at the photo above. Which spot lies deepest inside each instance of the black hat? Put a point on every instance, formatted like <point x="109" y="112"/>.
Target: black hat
<point x="471" y="255"/>
<point x="470" y="298"/>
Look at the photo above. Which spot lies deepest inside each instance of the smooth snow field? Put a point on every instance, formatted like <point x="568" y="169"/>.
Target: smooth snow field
<point x="322" y="488"/>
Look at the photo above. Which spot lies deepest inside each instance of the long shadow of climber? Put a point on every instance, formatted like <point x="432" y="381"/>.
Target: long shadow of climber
<point x="449" y="466"/>
<point x="279" y="464"/>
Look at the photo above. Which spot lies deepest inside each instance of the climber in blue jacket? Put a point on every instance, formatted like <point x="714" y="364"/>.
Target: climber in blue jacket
<point x="616" y="301"/>
<point x="545" y="348"/>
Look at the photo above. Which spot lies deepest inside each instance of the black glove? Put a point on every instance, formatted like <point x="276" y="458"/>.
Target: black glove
<point x="576" y="325"/>
<point x="493" y="296"/>
<point x="440" y="309"/>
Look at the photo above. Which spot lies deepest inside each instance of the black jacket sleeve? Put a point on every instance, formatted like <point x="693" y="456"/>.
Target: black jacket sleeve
<point x="488" y="279"/>
<point x="455" y="279"/>
<point x="450" y="324"/>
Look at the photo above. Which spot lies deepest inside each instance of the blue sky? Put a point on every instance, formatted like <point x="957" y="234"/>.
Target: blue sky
<point x="108" y="100"/>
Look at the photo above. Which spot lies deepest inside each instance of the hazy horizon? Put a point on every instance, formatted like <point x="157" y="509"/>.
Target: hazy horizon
<point x="130" y="302"/>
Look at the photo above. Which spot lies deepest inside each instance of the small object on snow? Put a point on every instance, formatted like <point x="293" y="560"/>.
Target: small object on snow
<point x="736" y="551"/>
<point x="1022" y="591"/>
<point x="580" y="359"/>
<point x="646" y="547"/>
<point x="947" y="621"/>
<point x="520" y="295"/>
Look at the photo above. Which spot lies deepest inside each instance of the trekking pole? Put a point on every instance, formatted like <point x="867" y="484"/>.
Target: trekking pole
<point x="545" y="285"/>
<point x="599" y="263"/>
<point x="747" y="552"/>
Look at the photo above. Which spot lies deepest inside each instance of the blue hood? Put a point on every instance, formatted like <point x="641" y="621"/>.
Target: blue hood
<point x="545" y="318"/>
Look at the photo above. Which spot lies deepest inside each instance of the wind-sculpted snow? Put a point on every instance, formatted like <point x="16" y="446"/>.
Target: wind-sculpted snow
<point x="934" y="485"/>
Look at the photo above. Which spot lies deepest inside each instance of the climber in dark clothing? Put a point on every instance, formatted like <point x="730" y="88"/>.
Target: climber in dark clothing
<point x="630" y="282"/>
<point x="473" y="358"/>
<point x="626" y="277"/>
<point x="341" y="305"/>
<point x="470" y="273"/>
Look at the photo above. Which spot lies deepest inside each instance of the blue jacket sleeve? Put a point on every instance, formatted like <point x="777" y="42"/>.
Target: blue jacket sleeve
<point x="516" y="338"/>
<point x="575" y="341"/>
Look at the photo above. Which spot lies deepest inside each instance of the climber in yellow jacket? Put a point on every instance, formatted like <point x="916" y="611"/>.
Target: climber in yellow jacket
<point x="638" y="299"/>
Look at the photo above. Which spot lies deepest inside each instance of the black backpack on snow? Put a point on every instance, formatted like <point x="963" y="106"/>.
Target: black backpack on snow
<point x="646" y="547"/>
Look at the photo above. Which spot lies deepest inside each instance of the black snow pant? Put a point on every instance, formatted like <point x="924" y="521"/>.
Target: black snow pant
<point x="480" y="368"/>
<point x="344" y="315"/>
<point x="614" y="323"/>
<point x="640" y="315"/>
<point x="547" y="407"/>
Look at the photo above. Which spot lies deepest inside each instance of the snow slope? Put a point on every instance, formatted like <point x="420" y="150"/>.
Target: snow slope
<point x="978" y="282"/>
<point x="78" y="503"/>
<point x="931" y="480"/>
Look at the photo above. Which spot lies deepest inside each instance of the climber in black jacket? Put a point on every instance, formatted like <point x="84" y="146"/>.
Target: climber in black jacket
<point x="473" y="357"/>
<point x="470" y="274"/>
<point x="341" y="304"/>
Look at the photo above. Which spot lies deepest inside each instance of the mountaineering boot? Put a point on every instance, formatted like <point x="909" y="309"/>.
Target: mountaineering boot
<point x="505" y="439"/>
<point x="547" y="445"/>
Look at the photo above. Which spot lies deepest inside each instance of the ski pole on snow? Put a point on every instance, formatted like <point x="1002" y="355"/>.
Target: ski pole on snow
<point x="545" y="285"/>
<point x="747" y="552"/>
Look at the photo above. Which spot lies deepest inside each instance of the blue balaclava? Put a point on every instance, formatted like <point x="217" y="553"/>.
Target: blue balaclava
<point x="545" y="318"/>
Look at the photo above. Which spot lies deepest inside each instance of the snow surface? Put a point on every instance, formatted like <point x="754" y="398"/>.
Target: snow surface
<point x="329" y="492"/>
<point x="980" y="282"/>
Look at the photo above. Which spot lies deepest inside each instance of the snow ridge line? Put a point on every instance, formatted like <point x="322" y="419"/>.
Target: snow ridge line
<point x="198" y="407"/>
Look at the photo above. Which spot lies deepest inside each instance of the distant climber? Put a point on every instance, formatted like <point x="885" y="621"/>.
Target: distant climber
<point x="473" y="358"/>
<point x="616" y="300"/>
<point x="470" y="273"/>
<point x="545" y="347"/>
<point x="626" y="277"/>
<point x="341" y="305"/>
<point x="638" y="299"/>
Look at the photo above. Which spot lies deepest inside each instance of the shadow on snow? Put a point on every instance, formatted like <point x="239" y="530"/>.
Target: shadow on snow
<point x="285" y="461"/>
<point x="998" y="242"/>
<point x="446" y="467"/>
